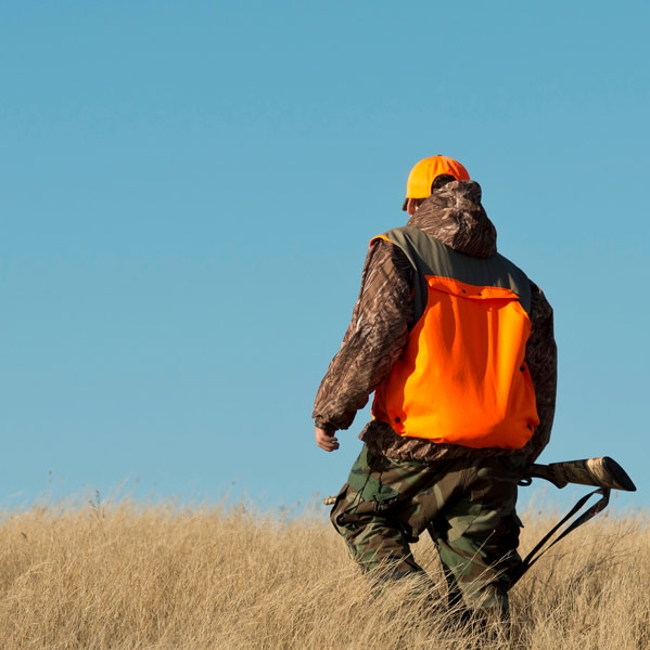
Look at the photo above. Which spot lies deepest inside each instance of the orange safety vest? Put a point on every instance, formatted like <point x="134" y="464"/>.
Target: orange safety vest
<point x="462" y="378"/>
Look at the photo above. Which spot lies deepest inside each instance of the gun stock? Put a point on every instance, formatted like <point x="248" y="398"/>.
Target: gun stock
<point x="602" y="472"/>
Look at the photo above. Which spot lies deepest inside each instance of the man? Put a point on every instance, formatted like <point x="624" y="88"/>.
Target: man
<point x="457" y="344"/>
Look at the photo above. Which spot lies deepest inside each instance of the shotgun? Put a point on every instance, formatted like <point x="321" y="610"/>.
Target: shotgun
<point x="603" y="472"/>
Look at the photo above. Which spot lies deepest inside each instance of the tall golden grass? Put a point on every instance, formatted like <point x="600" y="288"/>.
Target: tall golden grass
<point x="128" y="576"/>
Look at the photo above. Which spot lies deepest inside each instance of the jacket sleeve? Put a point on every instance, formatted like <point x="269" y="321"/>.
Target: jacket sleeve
<point x="541" y="358"/>
<point x="374" y="339"/>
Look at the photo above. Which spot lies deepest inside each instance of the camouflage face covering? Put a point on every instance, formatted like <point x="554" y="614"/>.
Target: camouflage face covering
<point x="467" y="505"/>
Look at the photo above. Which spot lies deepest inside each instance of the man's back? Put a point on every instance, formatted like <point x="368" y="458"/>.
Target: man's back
<point x="385" y="314"/>
<point x="462" y="378"/>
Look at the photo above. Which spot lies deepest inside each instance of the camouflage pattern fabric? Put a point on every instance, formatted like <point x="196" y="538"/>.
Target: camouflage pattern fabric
<point x="468" y="505"/>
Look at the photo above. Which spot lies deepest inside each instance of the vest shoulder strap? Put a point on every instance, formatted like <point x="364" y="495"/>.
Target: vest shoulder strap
<point x="430" y="257"/>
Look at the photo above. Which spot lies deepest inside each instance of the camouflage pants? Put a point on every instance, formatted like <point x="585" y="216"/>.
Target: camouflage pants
<point x="467" y="505"/>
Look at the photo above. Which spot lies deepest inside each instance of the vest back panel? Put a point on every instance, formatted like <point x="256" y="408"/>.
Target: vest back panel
<point x="462" y="378"/>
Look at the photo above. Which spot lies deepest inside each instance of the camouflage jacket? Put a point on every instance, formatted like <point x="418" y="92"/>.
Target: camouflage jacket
<point x="383" y="317"/>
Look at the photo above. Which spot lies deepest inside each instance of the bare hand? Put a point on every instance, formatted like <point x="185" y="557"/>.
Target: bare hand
<point x="326" y="440"/>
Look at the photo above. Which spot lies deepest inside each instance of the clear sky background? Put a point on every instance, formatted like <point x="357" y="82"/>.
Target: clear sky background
<point x="188" y="189"/>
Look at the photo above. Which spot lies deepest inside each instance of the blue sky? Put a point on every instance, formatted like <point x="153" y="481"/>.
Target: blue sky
<point x="188" y="193"/>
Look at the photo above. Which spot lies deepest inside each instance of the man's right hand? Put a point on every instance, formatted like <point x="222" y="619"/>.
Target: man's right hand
<point x="326" y="440"/>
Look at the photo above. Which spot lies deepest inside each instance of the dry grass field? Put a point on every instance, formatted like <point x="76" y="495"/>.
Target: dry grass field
<point x="128" y="576"/>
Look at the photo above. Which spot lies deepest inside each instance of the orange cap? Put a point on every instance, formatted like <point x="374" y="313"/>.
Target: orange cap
<point x="418" y="185"/>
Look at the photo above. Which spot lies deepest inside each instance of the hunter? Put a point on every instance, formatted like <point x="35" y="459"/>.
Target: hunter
<point x="457" y="345"/>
